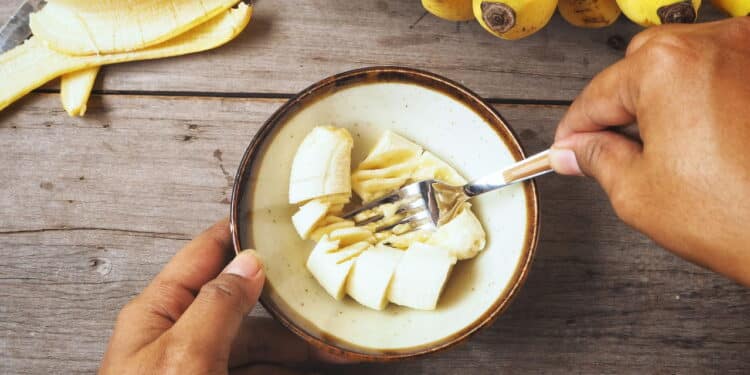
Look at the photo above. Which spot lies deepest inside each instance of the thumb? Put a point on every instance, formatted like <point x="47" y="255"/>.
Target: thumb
<point x="211" y="322"/>
<point x="603" y="155"/>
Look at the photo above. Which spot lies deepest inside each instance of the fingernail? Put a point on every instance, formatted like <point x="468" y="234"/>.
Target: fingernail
<point x="246" y="264"/>
<point x="564" y="162"/>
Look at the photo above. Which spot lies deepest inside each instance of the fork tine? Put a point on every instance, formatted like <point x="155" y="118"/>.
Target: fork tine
<point x="390" y="198"/>
<point x="404" y="192"/>
<point x="422" y="215"/>
<point x="407" y="206"/>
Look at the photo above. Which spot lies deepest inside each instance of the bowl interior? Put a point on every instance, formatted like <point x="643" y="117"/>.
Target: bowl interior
<point x="472" y="139"/>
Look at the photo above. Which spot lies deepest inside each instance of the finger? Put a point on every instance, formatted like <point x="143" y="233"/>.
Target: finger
<point x="608" y="100"/>
<point x="163" y="301"/>
<point x="606" y="156"/>
<point x="265" y="340"/>
<point x="212" y="321"/>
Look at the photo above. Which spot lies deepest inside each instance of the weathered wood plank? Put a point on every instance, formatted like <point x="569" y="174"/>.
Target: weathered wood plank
<point x="291" y="44"/>
<point x="600" y="298"/>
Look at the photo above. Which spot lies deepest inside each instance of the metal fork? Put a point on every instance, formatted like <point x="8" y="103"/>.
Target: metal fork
<point x="428" y="204"/>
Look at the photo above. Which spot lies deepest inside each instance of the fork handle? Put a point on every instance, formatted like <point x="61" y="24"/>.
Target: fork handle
<point x="530" y="167"/>
<point x="533" y="166"/>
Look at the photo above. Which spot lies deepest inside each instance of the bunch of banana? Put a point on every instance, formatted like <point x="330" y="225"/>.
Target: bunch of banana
<point x="409" y="269"/>
<point x="516" y="19"/>
<point x="73" y="38"/>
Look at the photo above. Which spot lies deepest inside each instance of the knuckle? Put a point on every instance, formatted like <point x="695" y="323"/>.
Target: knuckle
<point x="224" y="290"/>
<point x="640" y="39"/>
<point x="592" y="155"/>
<point x="128" y="310"/>
<point x="624" y="202"/>
<point x="738" y="30"/>
<point x="181" y="356"/>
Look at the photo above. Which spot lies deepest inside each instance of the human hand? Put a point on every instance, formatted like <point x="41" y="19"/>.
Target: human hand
<point x="686" y="182"/>
<point x="192" y="319"/>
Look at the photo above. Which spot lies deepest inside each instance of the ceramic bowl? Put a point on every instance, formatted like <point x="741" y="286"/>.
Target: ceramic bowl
<point x="448" y="120"/>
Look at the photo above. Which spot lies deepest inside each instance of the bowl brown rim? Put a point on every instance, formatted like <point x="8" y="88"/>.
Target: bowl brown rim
<point x="421" y="78"/>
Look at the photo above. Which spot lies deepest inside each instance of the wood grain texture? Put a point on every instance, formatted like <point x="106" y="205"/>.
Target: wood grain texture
<point x="290" y="44"/>
<point x="91" y="209"/>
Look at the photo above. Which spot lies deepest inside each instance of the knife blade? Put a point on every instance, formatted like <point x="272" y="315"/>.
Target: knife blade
<point x="17" y="29"/>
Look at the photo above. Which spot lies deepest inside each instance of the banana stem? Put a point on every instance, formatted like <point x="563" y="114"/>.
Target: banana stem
<point x="498" y="16"/>
<point x="681" y="12"/>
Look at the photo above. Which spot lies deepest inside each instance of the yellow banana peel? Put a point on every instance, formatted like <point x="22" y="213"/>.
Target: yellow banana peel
<point x="451" y="10"/>
<point x="88" y="27"/>
<point x="589" y="13"/>
<point x="75" y="89"/>
<point x="513" y="19"/>
<point x="33" y="63"/>
<point x="657" y="12"/>
<point x="734" y="8"/>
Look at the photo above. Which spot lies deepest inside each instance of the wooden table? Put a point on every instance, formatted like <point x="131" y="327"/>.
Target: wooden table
<point x="92" y="208"/>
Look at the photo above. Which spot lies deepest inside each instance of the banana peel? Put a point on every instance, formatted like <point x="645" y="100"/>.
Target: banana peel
<point x="513" y="19"/>
<point x="734" y="8"/>
<point x="658" y="12"/>
<point x="451" y="10"/>
<point x="33" y="63"/>
<point x="86" y="27"/>
<point x="75" y="89"/>
<point x="589" y="13"/>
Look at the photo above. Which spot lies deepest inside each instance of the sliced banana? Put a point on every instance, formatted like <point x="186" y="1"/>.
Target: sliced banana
<point x="463" y="236"/>
<point x="430" y="167"/>
<point x="308" y="217"/>
<point x="331" y="265"/>
<point x="371" y="276"/>
<point x="388" y="166"/>
<point x="408" y="269"/>
<point x="420" y="276"/>
<point x="321" y="166"/>
<point x="328" y="225"/>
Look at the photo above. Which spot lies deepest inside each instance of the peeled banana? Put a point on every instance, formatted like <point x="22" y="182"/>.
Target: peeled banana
<point x="589" y="13"/>
<point x="451" y="10"/>
<point x="463" y="236"/>
<point x="308" y="217"/>
<point x="656" y="12"/>
<point x="409" y="269"/>
<point x="321" y="166"/>
<point x="420" y="276"/>
<point x="371" y="276"/>
<point x="75" y="89"/>
<point x="86" y="27"/>
<point x="513" y="19"/>
<point x="734" y="8"/>
<point x="17" y="79"/>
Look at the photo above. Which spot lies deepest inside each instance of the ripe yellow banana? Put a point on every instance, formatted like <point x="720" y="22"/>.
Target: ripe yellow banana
<point x="513" y="19"/>
<point x="75" y="89"/>
<point x="735" y="8"/>
<point x="17" y="80"/>
<point x="656" y="12"/>
<point x="86" y="27"/>
<point x="589" y="13"/>
<point x="451" y="10"/>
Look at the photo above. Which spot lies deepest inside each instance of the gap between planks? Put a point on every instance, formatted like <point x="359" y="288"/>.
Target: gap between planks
<point x="281" y="96"/>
